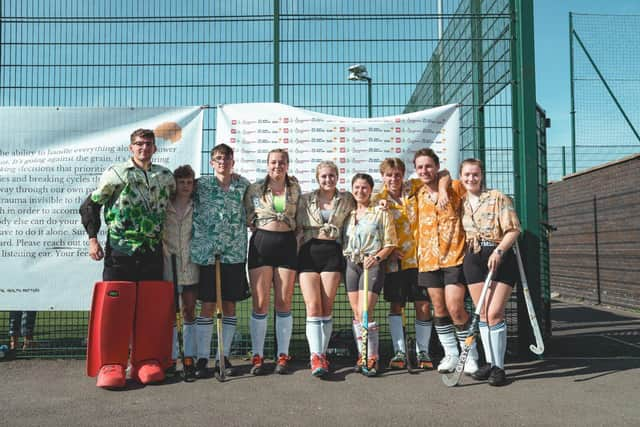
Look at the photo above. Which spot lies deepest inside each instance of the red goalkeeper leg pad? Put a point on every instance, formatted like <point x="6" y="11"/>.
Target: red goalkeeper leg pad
<point x="110" y="326"/>
<point x="152" y="331"/>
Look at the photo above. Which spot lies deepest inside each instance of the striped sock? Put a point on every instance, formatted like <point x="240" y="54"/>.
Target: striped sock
<point x="314" y="335"/>
<point x="498" y="335"/>
<point x="228" y="331"/>
<point x="462" y="332"/>
<point x="258" y="327"/>
<point x="189" y="338"/>
<point x="204" y="331"/>
<point x="446" y="335"/>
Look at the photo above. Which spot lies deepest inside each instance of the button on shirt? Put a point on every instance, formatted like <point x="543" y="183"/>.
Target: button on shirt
<point x="135" y="203"/>
<point x="219" y="221"/>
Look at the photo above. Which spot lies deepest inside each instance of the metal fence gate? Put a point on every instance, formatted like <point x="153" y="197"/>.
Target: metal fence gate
<point x="169" y="53"/>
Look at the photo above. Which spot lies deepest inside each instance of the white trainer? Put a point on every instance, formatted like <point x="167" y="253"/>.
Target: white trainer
<point x="470" y="366"/>
<point x="448" y="364"/>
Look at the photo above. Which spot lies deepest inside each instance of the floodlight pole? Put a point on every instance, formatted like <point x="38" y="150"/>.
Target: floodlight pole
<point x="360" y="73"/>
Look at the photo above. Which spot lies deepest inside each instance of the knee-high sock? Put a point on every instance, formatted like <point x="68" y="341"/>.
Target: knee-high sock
<point x="498" y="335"/>
<point x="284" y="327"/>
<point x="423" y="334"/>
<point x="372" y="346"/>
<point x="357" y="335"/>
<point x="189" y="338"/>
<point x="327" y="329"/>
<point x="397" y="334"/>
<point x="486" y="342"/>
<point x="258" y="327"/>
<point x="228" y="331"/>
<point x="204" y="331"/>
<point x="314" y="335"/>
<point x="446" y="335"/>
<point x="462" y="332"/>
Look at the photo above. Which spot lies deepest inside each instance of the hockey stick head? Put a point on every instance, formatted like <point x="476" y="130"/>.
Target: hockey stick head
<point x="537" y="349"/>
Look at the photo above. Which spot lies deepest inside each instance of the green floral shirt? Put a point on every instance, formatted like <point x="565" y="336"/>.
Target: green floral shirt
<point x="219" y="221"/>
<point x="135" y="203"/>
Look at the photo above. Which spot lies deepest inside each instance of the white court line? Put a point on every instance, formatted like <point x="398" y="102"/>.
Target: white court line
<point x="593" y="358"/>
<point x="619" y="341"/>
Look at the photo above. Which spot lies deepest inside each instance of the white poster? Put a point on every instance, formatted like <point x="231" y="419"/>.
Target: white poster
<point x="50" y="160"/>
<point x="355" y="145"/>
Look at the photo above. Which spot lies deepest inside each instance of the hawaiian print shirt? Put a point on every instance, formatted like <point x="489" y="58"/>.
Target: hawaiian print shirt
<point x="219" y="221"/>
<point x="260" y="209"/>
<point x="310" y="220"/>
<point x="176" y="240"/>
<point x="403" y="211"/>
<point x="135" y="203"/>
<point x="441" y="238"/>
<point x="491" y="219"/>
<point x="366" y="236"/>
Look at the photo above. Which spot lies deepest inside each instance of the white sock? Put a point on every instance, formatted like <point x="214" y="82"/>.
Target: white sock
<point x="284" y="327"/>
<point x="357" y="335"/>
<point x="258" y="328"/>
<point x="397" y="334"/>
<point x="314" y="335"/>
<point x="462" y="332"/>
<point x="498" y="335"/>
<point x="372" y="346"/>
<point x="423" y="334"/>
<point x="189" y="338"/>
<point x="228" y="331"/>
<point x="327" y="329"/>
<point x="447" y="336"/>
<point x="204" y="331"/>
<point x="174" y="344"/>
<point x="486" y="342"/>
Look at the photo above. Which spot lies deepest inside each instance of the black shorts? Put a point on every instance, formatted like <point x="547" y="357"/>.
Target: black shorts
<point x="233" y="283"/>
<point x="132" y="268"/>
<point x="476" y="270"/>
<point x="354" y="280"/>
<point x="317" y="256"/>
<point x="440" y="278"/>
<point x="402" y="286"/>
<point x="273" y="249"/>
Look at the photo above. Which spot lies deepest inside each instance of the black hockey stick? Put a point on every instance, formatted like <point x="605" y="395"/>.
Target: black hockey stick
<point x="176" y="294"/>
<point x="539" y="347"/>
<point x="453" y="378"/>
<point x="410" y="345"/>
<point x="220" y="372"/>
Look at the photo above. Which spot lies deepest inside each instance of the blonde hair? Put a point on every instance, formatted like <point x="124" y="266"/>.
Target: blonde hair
<point x="326" y="164"/>
<point x="392" y="163"/>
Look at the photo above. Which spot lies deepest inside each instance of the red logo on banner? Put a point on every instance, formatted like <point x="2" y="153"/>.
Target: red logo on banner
<point x="398" y="130"/>
<point x="285" y="130"/>
<point x="342" y="180"/>
<point x="342" y="129"/>
<point x="285" y="120"/>
<point x="343" y="160"/>
<point x="343" y="150"/>
<point x="398" y="150"/>
<point x="398" y="140"/>
<point x="285" y="140"/>
<point x="232" y="140"/>
<point x="343" y="170"/>
<point x="234" y="122"/>
<point x="343" y="139"/>
<point x="397" y="119"/>
<point x="233" y="131"/>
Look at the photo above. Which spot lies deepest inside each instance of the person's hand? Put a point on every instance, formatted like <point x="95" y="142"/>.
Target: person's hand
<point x="396" y="255"/>
<point x="369" y="262"/>
<point x="443" y="199"/>
<point x="494" y="261"/>
<point x="95" y="250"/>
<point x="383" y="204"/>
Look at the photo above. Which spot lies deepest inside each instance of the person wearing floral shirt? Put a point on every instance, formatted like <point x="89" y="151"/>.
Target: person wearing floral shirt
<point x="492" y="228"/>
<point x="320" y="217"/>
<point x="370" y="237"/>
<point x="219" y="228"/>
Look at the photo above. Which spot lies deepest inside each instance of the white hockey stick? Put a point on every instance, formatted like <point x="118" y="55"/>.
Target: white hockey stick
<point x="539" y="347"/>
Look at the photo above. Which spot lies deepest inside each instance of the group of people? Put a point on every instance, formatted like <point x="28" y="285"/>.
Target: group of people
<point x="428" y="240"/>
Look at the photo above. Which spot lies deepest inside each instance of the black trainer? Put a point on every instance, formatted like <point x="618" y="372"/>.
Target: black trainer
<point x="201" y="369"/>
<point x="188" y="369"/>
<point x="229" y="369"/>
<point x="497" y="377"/>
<point x="483" y="372"/>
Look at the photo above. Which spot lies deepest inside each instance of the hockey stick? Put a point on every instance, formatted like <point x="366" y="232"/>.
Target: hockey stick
<point x="220" y="372"/>
<point x="539" y="347"/>
<point x="364" y="349"/>
<point x="453" y="378"/>
<point x="409" y="344"/>
<point x="174" y="270"/>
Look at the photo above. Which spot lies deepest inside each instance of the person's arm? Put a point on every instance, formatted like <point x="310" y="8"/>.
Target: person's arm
<point x="390" y="242"/>
<point x="249" y="209"/>
<point x="508" y="240"/>
<point x="444" y="183"/>
<point x="90" y="218"/>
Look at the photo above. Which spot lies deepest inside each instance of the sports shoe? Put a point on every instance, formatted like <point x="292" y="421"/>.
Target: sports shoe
<point x="497" y="377"/>
<point x="482" y="374"/>
<point x="470" y="366"/>
<point x="188" y="370"/>
<point x="325" y="362"/>
<point x="201" y="368"/>
<point x="111" y="376"/>
<point x="282" y="365"/>
<point x="399" y="361"/>
<point x="372" y="367"/>
<point x="258" y="365"/>
<point x="358" y="367"/>
<point x="229" y="369"/>
<point x="171" y="371"/>
<point x="147" y="372"/>
<point x="424" y="361"/>
<point x="448" y="364"/>
<point x="317" y="368"/>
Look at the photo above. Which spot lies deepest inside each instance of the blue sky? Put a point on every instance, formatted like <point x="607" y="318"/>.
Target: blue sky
<point x="551" y="23"/>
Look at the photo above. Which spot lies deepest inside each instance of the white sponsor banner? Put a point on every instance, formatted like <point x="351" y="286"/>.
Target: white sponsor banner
<point x="50" y="160"/>
<point x="355" y="145"/>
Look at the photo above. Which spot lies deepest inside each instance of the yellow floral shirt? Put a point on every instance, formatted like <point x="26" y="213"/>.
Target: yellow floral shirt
<point x="441" y="238"/>
<point x="403" y="211"/>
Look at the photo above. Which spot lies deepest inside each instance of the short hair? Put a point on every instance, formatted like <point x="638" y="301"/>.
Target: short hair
<point x="364" y="176"/>
<point x="392" y="163"/>
<point x="326" y="164"/>
<point x="279" y="150"/>
<point x="426" y="152"/>
<point x="471" y="161"/>
<point x="143" y="133"/>
<point x="184" y="171"/>
<point x="223" y="149"/>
